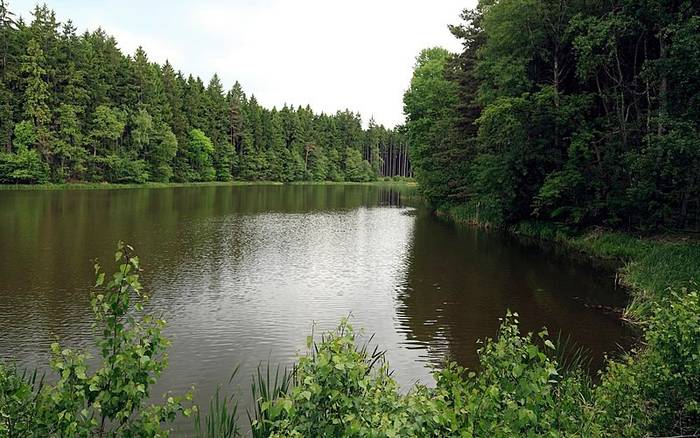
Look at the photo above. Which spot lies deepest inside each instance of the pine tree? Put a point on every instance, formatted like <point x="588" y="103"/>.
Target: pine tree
<point x="8" y="33"/>
<point x="36" y="96"/>
<point x="93" y="112"/>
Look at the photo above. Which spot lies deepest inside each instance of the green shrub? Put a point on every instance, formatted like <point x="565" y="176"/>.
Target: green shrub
<point x="19" y="396"/>
<point x="23" y="167"/>
<point x="111" y="401"/>
<point x="658" y="390"/>
<point x="117" y="169"/>
<point x="125" y="170"/>
<point x="341" y="389"/>
<point x="519" y="391"/>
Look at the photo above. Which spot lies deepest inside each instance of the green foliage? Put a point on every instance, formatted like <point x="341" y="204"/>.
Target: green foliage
<point x="111" y="401"/>
<point x="199" y="156"/>
<point x="267" y="390"/>
<point x="161" y="151"/>
<point x="520" y="390"/>
<point x="73" y="95"/>
<point x="107" y="127"/>
<point x="430" y="105"/>
<point x="19" y="398"/>
<point x="357" y="169"/>
<point x="69" y="149"/>
<point x="657" y="391"/>
<point x="341" y="389"/>
<point x="142" y="130"/>
<point x="116" y="169"/>
<point x="36" y="93"/>
<point x="221" y="420"/>
<point x="587" y="114"/>
<point x="23" y="167"/>
<point x="24" y="135"/>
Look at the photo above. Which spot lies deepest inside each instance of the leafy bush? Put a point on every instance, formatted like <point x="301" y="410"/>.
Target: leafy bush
<point x="24" y="167"/>
<point x="658" y="391"/>
<point x="117" y="169"/>
<point x="341" y="389"/>
<point x="111" y="400"/>
<point x="18" y="401"/>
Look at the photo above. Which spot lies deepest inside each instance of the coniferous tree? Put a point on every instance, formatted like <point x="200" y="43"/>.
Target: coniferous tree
<point x="36" y="97"/>
<point x="77" y="108"/>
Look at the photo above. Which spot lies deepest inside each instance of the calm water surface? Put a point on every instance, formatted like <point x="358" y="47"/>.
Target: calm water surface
<point x="241" y="273"/>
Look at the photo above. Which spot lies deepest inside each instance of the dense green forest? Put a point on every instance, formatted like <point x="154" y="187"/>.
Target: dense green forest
<point x="575" y="111"/>
<point x="75" y="108"/>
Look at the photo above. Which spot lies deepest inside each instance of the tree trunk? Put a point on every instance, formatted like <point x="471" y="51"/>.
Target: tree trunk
<point x="663" y="88"/>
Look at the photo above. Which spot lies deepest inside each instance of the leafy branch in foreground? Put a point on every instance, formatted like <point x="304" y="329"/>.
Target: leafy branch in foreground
<point x="112" y="400"/>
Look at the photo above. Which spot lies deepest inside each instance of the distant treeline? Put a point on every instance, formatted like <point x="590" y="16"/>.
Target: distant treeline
<point x="575" y="111"/>
<point x="74" y="107"/>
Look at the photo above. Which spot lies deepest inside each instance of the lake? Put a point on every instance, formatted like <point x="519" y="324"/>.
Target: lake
<point x="243" y="273"/>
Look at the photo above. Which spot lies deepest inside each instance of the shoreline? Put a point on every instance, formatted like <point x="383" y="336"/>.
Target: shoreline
<point x="647" y="267"/>
<point x="157" y="185"/>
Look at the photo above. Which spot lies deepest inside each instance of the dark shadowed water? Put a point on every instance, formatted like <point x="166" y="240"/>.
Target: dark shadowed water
<point x="242" y="272"/>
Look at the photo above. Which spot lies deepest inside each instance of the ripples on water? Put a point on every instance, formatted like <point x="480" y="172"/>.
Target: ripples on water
<point x="242" y="274"/>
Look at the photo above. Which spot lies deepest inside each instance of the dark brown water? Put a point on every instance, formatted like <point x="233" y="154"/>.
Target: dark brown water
<point x="241" y="274"/>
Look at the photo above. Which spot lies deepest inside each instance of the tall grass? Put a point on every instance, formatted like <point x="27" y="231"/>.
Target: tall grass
<point x="267" y="386"/>
<point x="221" y="421"/>
<point x="571" y="357"/>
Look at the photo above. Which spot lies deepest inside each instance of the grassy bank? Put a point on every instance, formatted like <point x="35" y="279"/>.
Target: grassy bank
<point x="379" y="182"/>
<point x="648" y="266"/>
<point x="157" y="185"/>
<point x="112" y="186"/>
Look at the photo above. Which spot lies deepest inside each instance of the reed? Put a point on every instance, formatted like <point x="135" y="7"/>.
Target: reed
<point x="267" y="386"/>
<point x="221" y="420"/>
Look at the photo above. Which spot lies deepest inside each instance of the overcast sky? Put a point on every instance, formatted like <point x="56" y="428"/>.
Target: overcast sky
<point x="330" y="54"/>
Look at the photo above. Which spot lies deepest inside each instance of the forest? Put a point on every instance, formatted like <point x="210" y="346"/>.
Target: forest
<point x="73" y="107"/>
<point x="577" y="112"/>
<point x="570" y="122"/>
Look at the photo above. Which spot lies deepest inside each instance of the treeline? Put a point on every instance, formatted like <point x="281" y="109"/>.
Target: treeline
<point x="574" y="111"/>
<point x="73" y="107"/>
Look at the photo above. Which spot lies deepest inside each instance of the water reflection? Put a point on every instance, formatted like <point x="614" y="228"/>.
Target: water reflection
<point x="461" y="281"/>
<point x="242" y="273"/>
